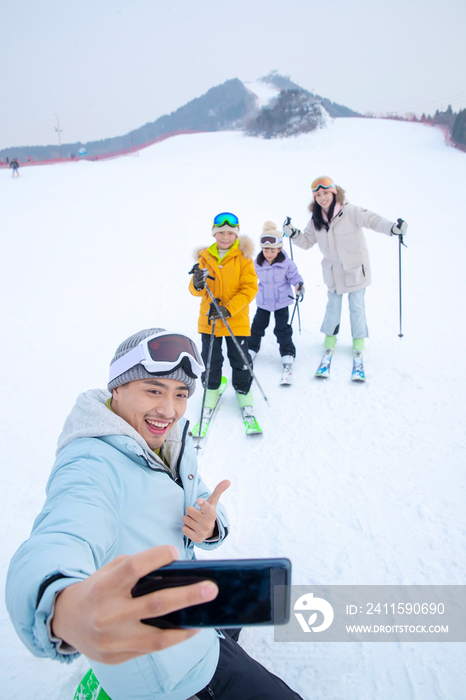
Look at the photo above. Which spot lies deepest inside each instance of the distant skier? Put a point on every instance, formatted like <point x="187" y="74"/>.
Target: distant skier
<point x="234" y="284"/>
<point x="337" y="228"/>
<point x="14" y="165"/>
<point x="277" y="273"/>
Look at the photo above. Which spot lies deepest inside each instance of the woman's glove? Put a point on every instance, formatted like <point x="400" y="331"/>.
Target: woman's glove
<point x="400" y="228"/>
<point x="288" y="230"/>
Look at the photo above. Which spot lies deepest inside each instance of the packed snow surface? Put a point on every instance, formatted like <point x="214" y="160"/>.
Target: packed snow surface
<point x="355" y="483"/>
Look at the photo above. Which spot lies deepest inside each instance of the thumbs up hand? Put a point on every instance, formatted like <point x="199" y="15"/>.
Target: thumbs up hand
<point x="199" y="523"/>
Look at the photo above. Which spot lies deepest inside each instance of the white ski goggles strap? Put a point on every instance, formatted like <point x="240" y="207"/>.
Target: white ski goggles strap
<point x="125" y="362"/>
<point x="142" y="355"/>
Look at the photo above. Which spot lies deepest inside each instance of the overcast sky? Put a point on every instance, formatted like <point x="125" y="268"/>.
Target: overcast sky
<point x="106" y="67"/>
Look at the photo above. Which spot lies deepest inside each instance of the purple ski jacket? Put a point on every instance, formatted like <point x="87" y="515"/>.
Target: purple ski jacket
<point x="275" y="282"/>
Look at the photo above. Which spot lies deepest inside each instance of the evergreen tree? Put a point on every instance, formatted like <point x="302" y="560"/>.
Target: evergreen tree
<point x="448" y="117"/>
<point x="459" y="128"/>
<point x="293" y="112"/>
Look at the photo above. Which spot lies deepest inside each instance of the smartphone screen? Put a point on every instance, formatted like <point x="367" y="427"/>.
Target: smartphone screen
<point x="247" y="593"/>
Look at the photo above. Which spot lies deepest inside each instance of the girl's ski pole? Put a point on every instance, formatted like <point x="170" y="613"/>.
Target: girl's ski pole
<point x="287" y="221"/>
<point x="294" y="309"/>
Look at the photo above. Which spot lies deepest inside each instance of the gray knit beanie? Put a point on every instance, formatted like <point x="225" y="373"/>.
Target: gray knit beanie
<point x="139" y="371"/>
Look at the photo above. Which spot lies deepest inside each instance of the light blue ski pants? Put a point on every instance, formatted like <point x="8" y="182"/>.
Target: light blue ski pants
<point x="331" y="322"/>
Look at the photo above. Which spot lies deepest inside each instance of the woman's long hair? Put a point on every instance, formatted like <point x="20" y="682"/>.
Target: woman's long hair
<point x="260" y="260"/>
<point x="319" y="221"/>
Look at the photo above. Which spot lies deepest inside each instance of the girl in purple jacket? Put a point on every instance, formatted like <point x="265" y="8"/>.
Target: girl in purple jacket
<point x="277" y="274"/>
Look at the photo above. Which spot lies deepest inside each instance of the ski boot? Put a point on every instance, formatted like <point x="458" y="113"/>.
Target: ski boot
<point x="324" y="368"/>
<point x="287" y="376"/>
<point x="246" y="405"/>
<point x="358" y="374"/>
<point x="211" y="398"/>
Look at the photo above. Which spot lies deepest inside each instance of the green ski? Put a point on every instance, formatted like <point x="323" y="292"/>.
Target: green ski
<point x="90" y="689"/>
<point x="250" y="423"/>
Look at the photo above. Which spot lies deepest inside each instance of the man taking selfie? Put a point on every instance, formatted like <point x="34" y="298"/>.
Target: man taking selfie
<point x="125" y="479"/>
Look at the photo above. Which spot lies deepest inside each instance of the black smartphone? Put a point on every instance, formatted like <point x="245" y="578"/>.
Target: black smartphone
<point x="248" y="593"/>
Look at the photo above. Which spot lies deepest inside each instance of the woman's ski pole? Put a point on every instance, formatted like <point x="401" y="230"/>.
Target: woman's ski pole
<point x="206" y="381"/>
<point x="400" y="242"/>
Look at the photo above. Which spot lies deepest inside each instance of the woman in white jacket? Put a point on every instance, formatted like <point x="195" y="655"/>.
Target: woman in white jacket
<point x="337" y="228"/>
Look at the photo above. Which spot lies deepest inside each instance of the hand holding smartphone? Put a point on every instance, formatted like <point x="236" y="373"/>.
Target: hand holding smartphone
<point x="247" y="592"/>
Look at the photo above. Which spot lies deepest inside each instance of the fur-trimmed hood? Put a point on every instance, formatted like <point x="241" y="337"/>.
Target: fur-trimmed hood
<point x="340" y="197"/>
<point x="245" y="244"/>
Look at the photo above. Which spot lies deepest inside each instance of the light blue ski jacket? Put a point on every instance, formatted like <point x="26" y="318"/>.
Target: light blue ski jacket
<point x="109" y="494"/>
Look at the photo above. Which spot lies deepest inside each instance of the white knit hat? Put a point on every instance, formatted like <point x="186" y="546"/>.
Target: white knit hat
<point x="225" y="227"/>
<point x="269" y="230"/>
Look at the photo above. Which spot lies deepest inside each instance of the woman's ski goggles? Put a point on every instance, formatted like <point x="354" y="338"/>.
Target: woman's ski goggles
<point x="161" y="354"/>
<point x="225" y="218"/>
<point x="268" y="239"/>
<point x="325" y="182"/>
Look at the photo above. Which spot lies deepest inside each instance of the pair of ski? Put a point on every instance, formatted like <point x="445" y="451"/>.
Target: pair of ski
<point x="251" y="425"/>
<point x="357" y="375"/>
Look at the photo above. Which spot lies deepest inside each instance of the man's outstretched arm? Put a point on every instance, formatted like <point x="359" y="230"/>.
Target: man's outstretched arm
<point x="100" y="618"/>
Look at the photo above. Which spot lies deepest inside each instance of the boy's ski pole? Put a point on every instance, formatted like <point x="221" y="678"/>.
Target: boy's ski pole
<point x="206" y="381"/>
<point x="286" y="222"/>
<point x="400" y="243"/>
<point x="233" y="337"/>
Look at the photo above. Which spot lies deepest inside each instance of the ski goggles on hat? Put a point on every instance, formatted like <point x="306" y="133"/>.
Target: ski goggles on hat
<point x="325" y="182"/>
<point x="225" y="218"/>
<point x="161" y="354"/>
<point x="268" y="239"/>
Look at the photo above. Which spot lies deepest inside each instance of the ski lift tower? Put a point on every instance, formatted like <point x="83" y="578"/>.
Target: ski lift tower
<point x="58" y="130"/>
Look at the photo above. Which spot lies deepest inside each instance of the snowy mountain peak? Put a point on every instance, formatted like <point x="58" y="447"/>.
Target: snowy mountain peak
<point x="232" y="105"/>
<point x="263" y="92"/>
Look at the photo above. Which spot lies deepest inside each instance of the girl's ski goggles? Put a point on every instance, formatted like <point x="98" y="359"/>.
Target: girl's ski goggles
<point x="225" y="218"/>
<point x="325" y="182"/>
<point x="161" y="354"/>
<point x="267" y="239"/>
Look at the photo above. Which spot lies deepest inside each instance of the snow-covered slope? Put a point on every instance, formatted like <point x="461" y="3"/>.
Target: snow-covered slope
<point x="357" y="484"/>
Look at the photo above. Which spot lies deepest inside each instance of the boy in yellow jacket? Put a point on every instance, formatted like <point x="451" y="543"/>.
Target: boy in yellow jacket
<point x="229" y="261"/>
